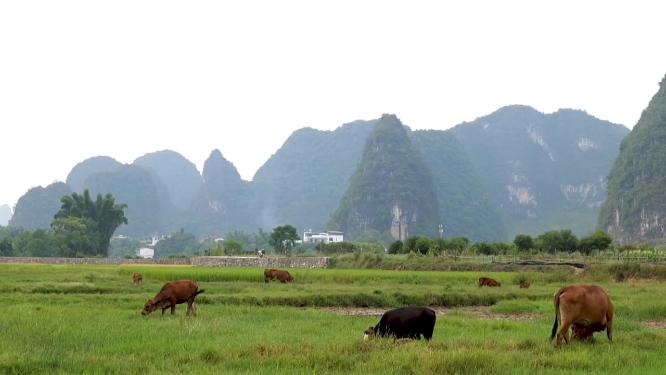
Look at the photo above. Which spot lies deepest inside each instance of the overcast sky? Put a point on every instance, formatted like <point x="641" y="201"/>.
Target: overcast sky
<point x="124" y="78"/>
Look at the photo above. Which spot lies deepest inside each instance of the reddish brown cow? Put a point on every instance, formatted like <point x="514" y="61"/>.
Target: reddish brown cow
<point x="524" y="285"/>
<point x="137" y="278"/>
<point x="272" y="273"/>
<point x="488" y="281"/>
<point x="173" y="294"/>
<point x="585" y="307"/>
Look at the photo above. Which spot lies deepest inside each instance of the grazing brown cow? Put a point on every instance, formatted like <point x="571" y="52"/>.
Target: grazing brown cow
<point x="587" y="307"/>
<point x="272" y="273"/>
<point x="488" y="281"/>
<point x="173" y="294"/>
<point x="137" y="278"/>
<point x="524" y="285"/>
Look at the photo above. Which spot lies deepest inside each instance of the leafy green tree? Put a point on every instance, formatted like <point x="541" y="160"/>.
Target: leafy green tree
<point x="104" y="216"/>
<point x="568" y="241"/>
<point x="598" y="240"/>
<point x="424" y="244"/>
<point x="74" y="236"/>
<point x="454" y="245"/>
<point x="6" y="248"/>
<point x="396" y="247"/>
<point x="177" y="243"/>
<point x="410" y="244"/>
<point x="232" y="246"/>
<point x="37" y="243"/>
<point x="523" y="242"/>
<point x="283" y="238"/>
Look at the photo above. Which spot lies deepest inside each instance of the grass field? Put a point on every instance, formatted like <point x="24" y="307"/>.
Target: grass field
<point x="86" y="319"/>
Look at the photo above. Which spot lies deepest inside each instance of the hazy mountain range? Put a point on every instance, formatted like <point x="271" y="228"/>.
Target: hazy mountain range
<point x="513" y="171"/>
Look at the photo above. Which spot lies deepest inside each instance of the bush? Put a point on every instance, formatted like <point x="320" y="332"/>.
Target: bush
<point x="396" y="247"/>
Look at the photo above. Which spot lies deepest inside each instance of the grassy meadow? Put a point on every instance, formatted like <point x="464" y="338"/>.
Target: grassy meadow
<point x="86" y="319"/>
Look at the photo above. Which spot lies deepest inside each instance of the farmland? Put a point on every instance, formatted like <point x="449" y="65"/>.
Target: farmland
<point x="86" y="319"/>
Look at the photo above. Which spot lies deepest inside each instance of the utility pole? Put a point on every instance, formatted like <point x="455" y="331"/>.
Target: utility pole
<point x="441" y="230"/>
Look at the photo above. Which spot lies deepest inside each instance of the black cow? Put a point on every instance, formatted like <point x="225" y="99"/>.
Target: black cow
<point x="405" y="322"/>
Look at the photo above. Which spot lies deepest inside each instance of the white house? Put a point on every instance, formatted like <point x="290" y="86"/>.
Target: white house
<point x="322" y="237"/>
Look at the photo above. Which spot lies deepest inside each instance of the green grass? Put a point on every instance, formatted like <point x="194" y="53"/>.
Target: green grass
<point x="86" y="319"/>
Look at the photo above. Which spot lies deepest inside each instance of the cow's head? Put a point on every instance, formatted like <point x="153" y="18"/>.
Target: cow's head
<point x="149" y="307"/>
<point x="371" y="331"/>
<point x="584" y="332"/>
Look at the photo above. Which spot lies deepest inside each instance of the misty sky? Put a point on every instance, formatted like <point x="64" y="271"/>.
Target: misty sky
<point x="124" y="78"/>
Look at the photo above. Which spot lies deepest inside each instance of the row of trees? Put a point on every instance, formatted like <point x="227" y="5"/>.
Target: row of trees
<point x="549" y="242"/>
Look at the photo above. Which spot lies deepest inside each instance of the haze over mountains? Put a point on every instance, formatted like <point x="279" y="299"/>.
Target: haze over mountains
<point x="514" y="171"/>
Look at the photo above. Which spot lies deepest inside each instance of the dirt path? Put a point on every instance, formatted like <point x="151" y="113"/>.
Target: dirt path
<point x="480" y="312"/>
<point x="660" y="324"/>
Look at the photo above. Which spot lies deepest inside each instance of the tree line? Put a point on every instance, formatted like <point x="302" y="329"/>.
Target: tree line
<point x="547" y="242"/>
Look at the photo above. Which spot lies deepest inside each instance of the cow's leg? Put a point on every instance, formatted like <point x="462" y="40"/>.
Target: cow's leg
<point x="563" y="333"/>
<point x="173" y="309"/>
<point x="164" y="309"/>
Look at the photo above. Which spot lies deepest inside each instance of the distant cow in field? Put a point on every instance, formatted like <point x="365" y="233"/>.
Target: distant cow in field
<point x="273" y="274"/>
<point x="585" y="307"/>
<point x="172" y="294"/>
<point x="488" y="281"/>
<point x="137" y="278"/>
<point x="524" y="285"/>
<point x="405" y="322"/>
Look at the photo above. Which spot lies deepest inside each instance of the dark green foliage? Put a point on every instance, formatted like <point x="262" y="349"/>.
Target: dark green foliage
<point x="177" y="243"/>
<point x="75" y="236"/>
<point x="540" y="167"/>
<point x="257" y="240"/>
<point x="35" y="209"/>
<point x="552" y="241"/>
<point x="465" y="208"/>
<point x="180" y="176"/>
<point x="99" y="220"/>
<point x="396" y="247"/>
<point x="283" y="238"/>
<point x="37" y="243"/>
<point x="410" y="244"/>
<point x="98" y="164"/>
<point x="599" y="240"/>
<point x="390" y="177"/>
<point x="350" y="247"/>
<point x="6" y="247"/>
<point x="636" y="205"/>
<point x="303" y="182"/>
<point x="424" y="244"/>
<point x="523" y="242"/>
<point x="232" y="246"/>
<point x="492" y="248"/>
<point x="454" y="245"/>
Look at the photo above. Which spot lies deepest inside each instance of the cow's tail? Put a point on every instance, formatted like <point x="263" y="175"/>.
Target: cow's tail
<point x="199" y="291"/>
<point x="557" y="313"/>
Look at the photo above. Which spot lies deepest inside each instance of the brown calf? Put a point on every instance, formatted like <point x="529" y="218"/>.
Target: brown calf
<point x="585" y="307"/>
<point x="272" y="274"/>
<point x="488" y="281"/>
<point x="137" y="278"/>
<point x="173" y="294"/>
